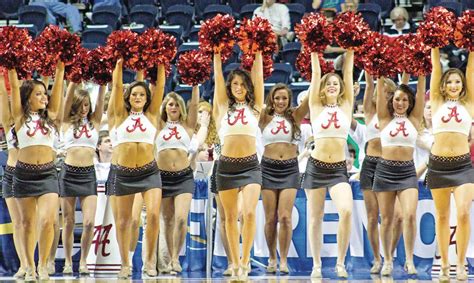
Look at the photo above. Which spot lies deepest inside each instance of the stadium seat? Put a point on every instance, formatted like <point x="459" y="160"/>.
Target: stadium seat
<point x="281" y="73"/>
<point x="35" y="15"/>
<point x="247" y="10"/>
<point x="96" y="35"/>
<point x="9" y="9"/>
<point x="290" y="53"/>
<point x="213" y="10"/>
<point x="128" y="76"/>
<point x="174" y="30"/>
<point x="385" y="5"/>
<point x="180" y="15"/>
<point x="165" y="4"/>
<point x="144" y="14"/>
<point x="237" y="5"/>
<point x="106" y="15"/>
<point x="194" y="33"/>
<point x="297" y="12"/>
<point x="371" y="14"/>
<point x="201" y="5"/>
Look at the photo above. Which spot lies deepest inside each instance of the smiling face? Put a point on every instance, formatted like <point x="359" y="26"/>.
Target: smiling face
<point x="453" y="86"/>
<point x="331" y="88"/>
<point x="38" y="99"/>
<point x="281" y="101"/>
<point x="400" y="102"/>
<point x="427" y="111"/>
<point x="238" y="88"/>
<point x="138" y="98"/>
<point x="85" y="108"/>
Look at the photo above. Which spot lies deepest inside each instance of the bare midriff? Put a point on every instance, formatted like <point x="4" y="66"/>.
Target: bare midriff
<point x="12" y="157"/>
<point x="134" y="154"/>
<point x="239" y="146"/>
<point x="374" y="148"/>
<point x="36" y="154"/>
<point x="80" y="156"/>
<point x="450" y="144"/>
<point x="280" y="151"/>
<point x="329" y="150"/>
<point x="172" y="159"/>
<point x="398" y="153"/>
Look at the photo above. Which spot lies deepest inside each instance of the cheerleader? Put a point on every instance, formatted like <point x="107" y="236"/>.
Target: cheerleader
<point x="280" y="174"/>
<point x="367" y="172"/>
<point x="77" y="178"/>
<point x="237" y="106"/>
<point x="331" y="103"/>
<point x="399" y="115"/>
<point x="176" y="128"/>
<point x="450" y="168"/>
<point x="35" y="182"/>
<point x="9" y="172"/>
<point x="136" y="121"/>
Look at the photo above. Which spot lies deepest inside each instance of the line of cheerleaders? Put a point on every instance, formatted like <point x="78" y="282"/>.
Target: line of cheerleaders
<point x="143" y="126"/>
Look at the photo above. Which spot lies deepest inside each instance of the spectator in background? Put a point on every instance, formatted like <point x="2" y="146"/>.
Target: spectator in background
<point x="58" y="8"/>
<point x="401" y="22"/>
<point x="332" y="5"/>
<point x="350" y="5"/>
<point x="279" y="16"/>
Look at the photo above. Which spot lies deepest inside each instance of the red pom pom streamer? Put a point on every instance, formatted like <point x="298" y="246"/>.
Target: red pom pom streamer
<point x="156" y="47"/>
<point x="415" y="56"/>
<point x="194" y="67"/>
<point x="43" y="62"/>
<point x="314" y="32"/>
<point x="350" y="30"/>
<point x="248" y="59"/>
<point x="100" y="65"/>
<point x="124" y="44"/>
<point x="218" y="35"/>
<point x="13" y="46"/>
<point x="438" y="27"/>
<point x="59" y="43"/>
<point x="464" y="32"/>
<point x="303" y="64"/>
<point x="257" y="35"/>
<point x="77" y="71"/>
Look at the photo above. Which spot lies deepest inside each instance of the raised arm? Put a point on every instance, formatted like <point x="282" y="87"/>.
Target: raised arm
<point x="140" y="77"/>
<point x="54" y="104"/>
<point x="6" y="114"/>
<point x="348" y="70"/>
<point x="220" y="92"/>
<point x="191" y="120"/>
<point x="313" y="93"/>
<point x="470" y="79"/>
<point x="301" y="110"/>
<point x="117" y="90"/>
<point x="417" y="112"/>
<point x="71" y="89"/>
<point x="201" y="135"/>
<point x="17" y="110"/>
<point x="158" y="92"/>
<point x="405" y="78"/>
<point x="259" y="89"/>
<point x="436" y="73"/>
<point x="382" y="109"/>
<point x="368" y="102"/>
<point x="99" y="106"/>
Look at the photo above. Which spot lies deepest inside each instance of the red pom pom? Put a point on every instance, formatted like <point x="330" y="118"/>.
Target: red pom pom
<point x="218" y="35"/>
<point x="464" y="32"/>
<point x="248" y="59"/>
<point x="100" y="65"/>
<point x="379" y="55"/>
<point x="77" y="71"/>
<point x="60" y="43"/>
<point x="194" y="67"/>
<point x="303" y="64"/>
<point x="156" y="47"/>
<point x="437" y="28"/>
<point x="350" y="30"/>
<point x="151" y="73"/>
<point x="314" y="32"/>
<point x="43" y="62"/>
<point x="124" y="44"/>
<point x="415" y="56"/>
<point x="13" y="46"/>
<point x="257" y="35"/>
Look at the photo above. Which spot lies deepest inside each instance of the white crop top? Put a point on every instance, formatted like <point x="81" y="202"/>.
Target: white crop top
<point x="85" y="136"/>
<point x="452" y="117"/>
<point x="278" y="130"/>
<point x="136" y="128"/>
<point x="12" y="141"/>
<point x="31" y="133"/>
<point x="113" y="137"/>
<point x="241" y="121"/>
<point x="173" y="136"/>
<point x="332" y="122"/>
<point x="373" y="129"/>
<point x="399" y="132"/>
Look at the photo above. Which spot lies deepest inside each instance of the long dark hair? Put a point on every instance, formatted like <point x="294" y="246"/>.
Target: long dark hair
<point x="250" y="97"/>
<point x="129" y="90"/>
<point x="288" y="114"/>
<point x="411" y="99"/>
<point x="76" y="120"/>
<point x="26" y="89"/>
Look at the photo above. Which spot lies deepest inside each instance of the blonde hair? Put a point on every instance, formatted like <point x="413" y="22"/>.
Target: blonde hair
<point x="399" y="11"/>
<point x="212" y="136"/>
<point x="182" y="106"/>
